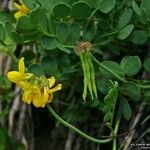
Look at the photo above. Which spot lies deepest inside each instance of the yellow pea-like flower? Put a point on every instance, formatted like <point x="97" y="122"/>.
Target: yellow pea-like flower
<point x="20" y="75"/>
<point x="22" y="10"/>
<point x="39" y="97"/>
<point x="36" y="90"/>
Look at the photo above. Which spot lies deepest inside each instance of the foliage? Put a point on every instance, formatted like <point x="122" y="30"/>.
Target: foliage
<point x="98" y="50"/>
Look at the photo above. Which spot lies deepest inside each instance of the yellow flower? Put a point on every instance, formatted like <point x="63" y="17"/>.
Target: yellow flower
<point x="20" y="75"/>
<point x="36" y="90"/>
<point x="22" y="10"/>
<point x="39" y="96"/>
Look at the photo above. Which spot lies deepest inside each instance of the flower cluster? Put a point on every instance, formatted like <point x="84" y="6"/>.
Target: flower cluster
<point x="22" y="9"/>
<point x="36" y="90"/>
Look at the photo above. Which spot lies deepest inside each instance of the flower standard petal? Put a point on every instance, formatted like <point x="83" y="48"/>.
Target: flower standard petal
<point x="21" y="66"/>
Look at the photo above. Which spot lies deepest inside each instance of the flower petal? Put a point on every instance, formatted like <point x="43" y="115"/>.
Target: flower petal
<point x="24" y="9"/>
<point x="50" y="98"/>
<point x="27" y="97"/>
<point x="52" y="81"/>
<point x="19" y="14"/>
<point x="56" y="88"/>
<point x="27" y="76"/>
<point x="21" y="66"/>
<point x="14" y="76"/>
<point x="45" y="95"/>
<point x="38" y="100"/>
<point x="25" y="85"/>
<point x="17" y="6"/>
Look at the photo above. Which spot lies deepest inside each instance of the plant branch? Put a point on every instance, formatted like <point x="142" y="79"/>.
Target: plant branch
<point x="76" y="129"/>
<point x="109" y="70"/>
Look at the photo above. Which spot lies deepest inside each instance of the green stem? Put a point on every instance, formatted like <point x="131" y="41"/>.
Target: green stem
<point x="115" y="132"/>
<point x="108" y="34"/>
<point x="100" y="1"/>
<point x="109" y="70"/>
<point x="76" y="129"/>
<point x="101" y="43"/>
<point x="143" y="86"/>
<point x="69" y="46"/>
<point x="117" y="76"/>
<point x="91" y="16"/>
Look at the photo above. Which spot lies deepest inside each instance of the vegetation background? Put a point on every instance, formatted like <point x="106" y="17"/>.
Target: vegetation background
<point x="48" y="38"/>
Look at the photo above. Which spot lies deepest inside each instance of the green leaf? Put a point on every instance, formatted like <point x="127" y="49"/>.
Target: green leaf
<point x="136" y="8"/>
<point x="139" y="37"/>
<point x="61" y="10"/>
<point x="139" y="12"/>
<point x="4" y="83"/>
<point x="48" y="4"/>
<point x="125" y="18"/>
<point x="51" y="24"/>
<point x="108" y="117"/>
<point x="25" y="23"/>
<point x="89" y="32"/>
<point x="49" y="66"/>
<point x="49" y="42"/>
<point x="16" y="37"/>
<point x="147" y="64"/>
<point x="147" y="96"/>
<point x="131" y="65"/>
<point x="92" y="3"/>
<point x="106" y="6"/>
<point x="81" y="10"/>
<point x="2" y="33"/>
<point x="62" y="31"/>
<point x="126" y="109"/>
<point x="146" y="6"/>
<point x="3" y="139"/>
<point x="35" y="69"/>
<point x="74" y="34"/>
<point x="36" y="15"/>
<point x="43" y="20"/>
<point x="110" y="102"/>
<point x="30" y="4"/>
<point x="125" y="32"/>
<point x="132" y="90"/>
<point x="104" y="85"/>
<point x="115" y="67"/>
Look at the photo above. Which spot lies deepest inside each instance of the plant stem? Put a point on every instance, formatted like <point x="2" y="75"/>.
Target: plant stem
<point x="76" y="129"/>
<point x="91" y="16"/>
<point x="108" y="34"/>
<point x="115" y="132"/>
<point x="143" y="86"/>
<point x="109" y="70"/>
